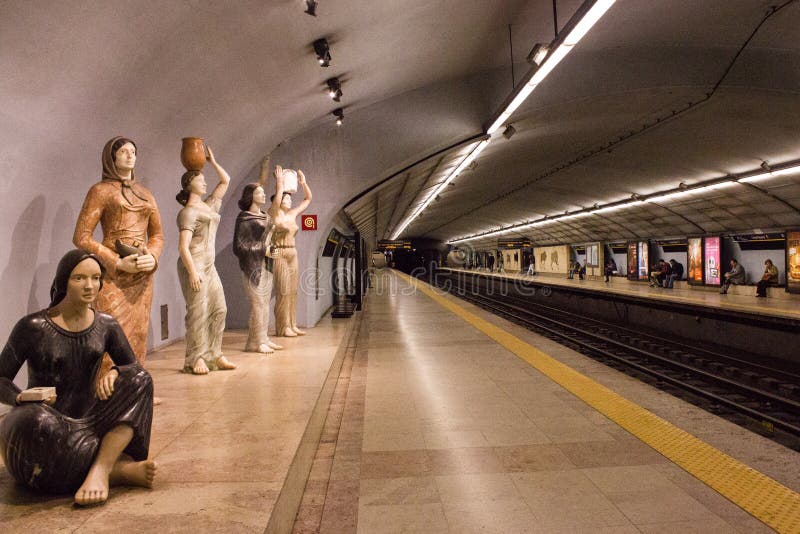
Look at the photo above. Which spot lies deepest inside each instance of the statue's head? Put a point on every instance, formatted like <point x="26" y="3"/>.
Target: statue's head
<point x="78" y="280"/>
<point x="251" y="193"/>
<point x="191" y="182"/>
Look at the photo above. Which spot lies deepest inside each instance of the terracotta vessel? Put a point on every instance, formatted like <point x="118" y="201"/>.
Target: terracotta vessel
<point x="193" y="153"/>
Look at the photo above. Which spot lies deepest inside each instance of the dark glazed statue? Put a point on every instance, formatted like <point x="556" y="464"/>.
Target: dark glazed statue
<point x="91" y="434"/>
<point x="251" y="237"/>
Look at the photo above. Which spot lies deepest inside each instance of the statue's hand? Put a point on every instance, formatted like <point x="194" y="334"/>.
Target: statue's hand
<point x="301" y="178"/>
<point x="128" y="264"/>
<point x="145" y="262"/>
<point x="279" y="174"/>
<point x="195" y="281"/>
<point x="265" y="162"/>
<point x="105" y="386"/>
<point x="210" y="155"/>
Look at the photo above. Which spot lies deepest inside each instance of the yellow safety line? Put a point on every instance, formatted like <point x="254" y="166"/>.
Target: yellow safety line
<point x="764" y="498"/>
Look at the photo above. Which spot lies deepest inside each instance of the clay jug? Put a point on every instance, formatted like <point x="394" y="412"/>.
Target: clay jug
<point x="193" y="153"/>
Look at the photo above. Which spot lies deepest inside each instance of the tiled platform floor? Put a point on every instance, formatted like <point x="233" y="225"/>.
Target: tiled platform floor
<point x="223" y="443"/>
<point x="446" y="431"/>
<point x="786" y="307"/>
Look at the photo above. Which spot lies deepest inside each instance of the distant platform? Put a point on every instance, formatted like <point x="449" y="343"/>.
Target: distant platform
<point x="785" y="306"/>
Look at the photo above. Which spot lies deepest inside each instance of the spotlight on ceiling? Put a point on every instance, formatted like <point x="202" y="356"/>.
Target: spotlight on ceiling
<point x="537" y="55"/>
<point x="334" y="89"/>
<point x="311" y="7"/>
<point x="339" y="114"/>
<point x="323" y="51"/>
<point x="509" y="131"/>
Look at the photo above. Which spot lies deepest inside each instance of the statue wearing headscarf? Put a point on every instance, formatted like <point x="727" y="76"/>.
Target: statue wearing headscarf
<point x="128" y="214"/>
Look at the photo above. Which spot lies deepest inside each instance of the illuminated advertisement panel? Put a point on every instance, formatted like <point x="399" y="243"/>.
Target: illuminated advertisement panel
<point x="793" y="261"/>
<point x="694" y="273"/>
<point x="712" y="261"/>
<point x="643" y="254"/>
<point x="633" y="262"/>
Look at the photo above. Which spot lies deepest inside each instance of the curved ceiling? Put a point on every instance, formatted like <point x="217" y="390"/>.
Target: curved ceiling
<point x="655" y="95"/>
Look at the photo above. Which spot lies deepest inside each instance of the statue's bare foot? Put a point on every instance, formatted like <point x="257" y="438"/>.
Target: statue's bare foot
<point x="288" y="332"/>
<point x="94" y="489"/>
<point x="274" y="345"/>
<point x="298" y="331"/>
<point x="134" y="473"/>
<point x="157" y="401"/>
<point x="224" y="364"/>
<point x="265" y="349"/>
<point x="200" y="367"/>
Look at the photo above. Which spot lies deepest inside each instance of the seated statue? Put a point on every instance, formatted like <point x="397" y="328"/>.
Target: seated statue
<point x="87" y="436"/>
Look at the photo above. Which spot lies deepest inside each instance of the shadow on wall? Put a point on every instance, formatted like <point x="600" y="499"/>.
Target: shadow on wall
<point x="231" y="276"/>
<point x="60" y="244"/>
<point x="23" y="253"/>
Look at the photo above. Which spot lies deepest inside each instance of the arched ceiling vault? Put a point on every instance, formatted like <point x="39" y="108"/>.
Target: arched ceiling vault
<point x="655" y="95"/>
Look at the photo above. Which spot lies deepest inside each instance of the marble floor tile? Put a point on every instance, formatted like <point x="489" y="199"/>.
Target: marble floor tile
<point x="402" y="518"/>
<point x="399" y="490"/>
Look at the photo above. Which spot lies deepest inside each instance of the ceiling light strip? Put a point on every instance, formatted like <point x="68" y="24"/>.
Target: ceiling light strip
<point x="450" y="177"/>
<point x="587" y="16"/>
<point x="661" y="197"/>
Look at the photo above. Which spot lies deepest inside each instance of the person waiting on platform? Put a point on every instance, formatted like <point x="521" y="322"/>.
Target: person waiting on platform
<point x="574" y="268"/>
<point x="735" y="276"/>
<point x="659" y="273"/>
<point x="770" y="278"/>
<point x="676" y="273"/>
<point x="531" y="269"/>
<point x="490" y="262"/>
<point x="611" y="268"/>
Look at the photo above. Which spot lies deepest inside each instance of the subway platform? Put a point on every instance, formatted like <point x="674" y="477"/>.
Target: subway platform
<point x="423" y="413"/>
<point x="740" y="299"/>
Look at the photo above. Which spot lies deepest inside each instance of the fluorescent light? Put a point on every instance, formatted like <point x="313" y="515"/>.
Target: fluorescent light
<point x="616" y="207"/>
<point x="450" y="177"/>
<point x="771" y="174"/>
<point x="679" y="194"/>
<point x="583" y="26"/>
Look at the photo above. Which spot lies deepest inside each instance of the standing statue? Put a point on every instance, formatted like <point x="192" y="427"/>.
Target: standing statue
<point x="87" y="435"/>
<point x="286" y="268"/>
<point x="251" y="237"/>
<point x="132" y="242"/>
<point x="200" y="283"/>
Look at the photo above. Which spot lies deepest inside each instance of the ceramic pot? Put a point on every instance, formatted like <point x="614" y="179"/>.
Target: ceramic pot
<point x="193" y="153"/>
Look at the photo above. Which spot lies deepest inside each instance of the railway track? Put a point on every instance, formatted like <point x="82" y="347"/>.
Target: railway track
<point x="755" y="396"/>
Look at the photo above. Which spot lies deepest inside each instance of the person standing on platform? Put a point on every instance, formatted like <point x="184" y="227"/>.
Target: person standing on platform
<point x="770" y="278"/>
<point x="490" y="260"/>
<point x="676" y="274"/>
<point x="611" y="268"/>
<point x="735" y="276"/>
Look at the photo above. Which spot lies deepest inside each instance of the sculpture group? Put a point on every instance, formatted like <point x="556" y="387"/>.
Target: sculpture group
<point x="90" y="343"/>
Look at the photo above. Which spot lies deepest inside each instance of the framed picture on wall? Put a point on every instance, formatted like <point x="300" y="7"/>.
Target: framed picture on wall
<point x="633" y="261"/>
<point x="643" y="256"/>
<point x="793" y="261"/>
<point x="593" y="255"/>
<point x="694" y="252"/>
<point x="712" y="260"/>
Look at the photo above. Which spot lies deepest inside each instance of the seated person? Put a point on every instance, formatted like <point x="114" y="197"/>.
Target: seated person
<point x="76" y="441"/>
<point x="659" y="273"/>
<point x="676" y="273"/>
<point x="770" y="278"/>
<point x="611" y="268"/>
<point x="574" y="268"/>
<point x="735" y="276"/>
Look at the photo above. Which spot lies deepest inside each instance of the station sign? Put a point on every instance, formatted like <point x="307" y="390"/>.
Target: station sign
<point x="388" y="244"/>
<point x="309" y="223"/>
<point x="514" y="243"/>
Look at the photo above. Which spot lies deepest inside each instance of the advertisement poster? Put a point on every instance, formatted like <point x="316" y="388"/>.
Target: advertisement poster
<point x="695" y="253"/>
<point x="793" y="261"/>
<point x="644" y="258"/>
<point x="633" y="262"/>
<point x="712" y="261"/>
<point x="592" y="255"/>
